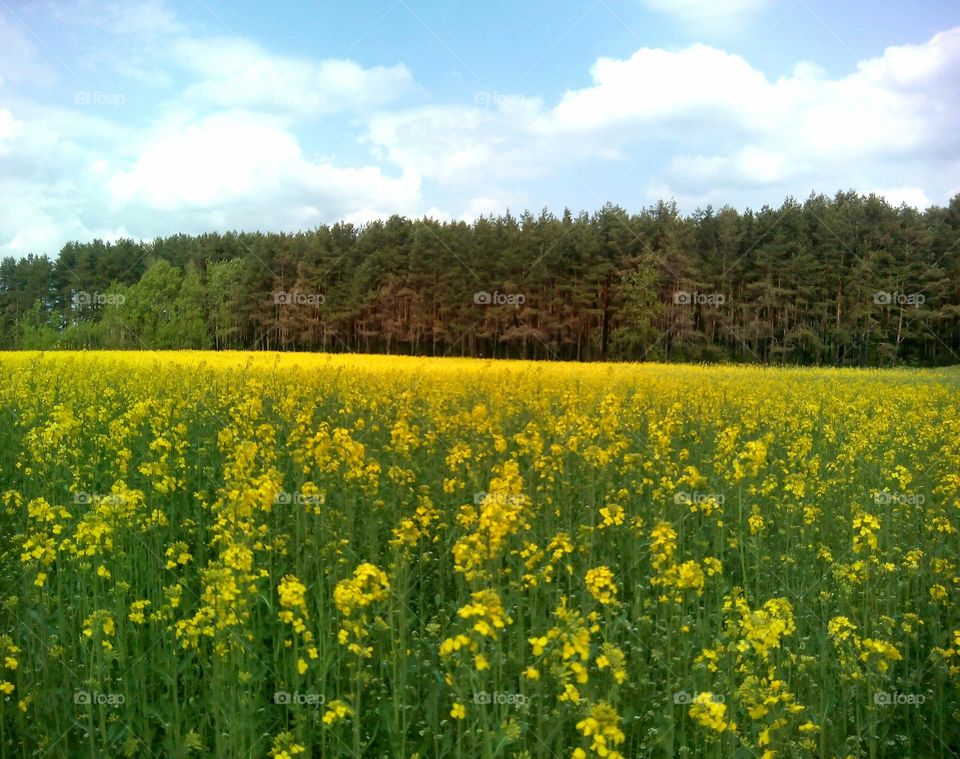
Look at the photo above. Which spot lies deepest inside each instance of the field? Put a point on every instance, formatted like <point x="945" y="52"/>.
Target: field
<point x="249" y="555"/>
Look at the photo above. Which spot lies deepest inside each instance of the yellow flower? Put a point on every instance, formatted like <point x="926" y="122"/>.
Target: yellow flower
<point x="570" y="693"/>
<point x="600" y="584"/>
<point x="292" y="592"/>
<point x="285" y="747"/>
<point x="367" y="585"/>
<point x="486" y="605"/>
<point x="613" y="515"/>
<point x="336" y="710"/>
<point x="602" y="725"/>
<point x="459" y="711"/>
<point x="710" y="713"/>
<point x="879" y="650"/>
<point x="137" y="609"/>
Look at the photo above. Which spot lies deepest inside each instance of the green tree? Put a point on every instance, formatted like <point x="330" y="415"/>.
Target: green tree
<point x="635" y="336"/>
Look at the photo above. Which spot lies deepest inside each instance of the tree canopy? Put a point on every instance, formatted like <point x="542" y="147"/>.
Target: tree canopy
<point x="848" y="280"/>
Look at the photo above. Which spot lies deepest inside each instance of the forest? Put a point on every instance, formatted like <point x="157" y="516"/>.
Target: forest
<point x="849" y="281"/>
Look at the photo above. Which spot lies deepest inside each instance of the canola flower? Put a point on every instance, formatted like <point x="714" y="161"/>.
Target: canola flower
<point x="602" y="727"/>
<point x="8" y="663"/>
<point x="367" y="586"/>
<point x="711" y="714"/>
<point x="600" y="584"/>
<point x="326" y="555"/>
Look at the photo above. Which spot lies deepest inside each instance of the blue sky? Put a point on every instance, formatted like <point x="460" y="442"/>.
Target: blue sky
<point x="142" y="119"/>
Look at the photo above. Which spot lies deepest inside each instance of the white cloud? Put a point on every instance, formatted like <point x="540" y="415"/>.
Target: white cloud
<point x="219" y="140"/>
<point x="232" y="170"/>
<point x="749" y="166"/>
<point x="891" y="120"/>
<point x="47" y="188"/>
<point x="463" y="147"/>
<point x="233" y="162"/>
<point x="9" y="128"/>
<point x="483" y="206"/>
<point x="654" y="86"/>
<point x="218" y="154"/>
<point x="912" y="196"/>
<point x="912" y="66"/>
<point x="216" y="161"/>
<point x="233" y="72"/>
<point x="726" y="129"/>
<point x="701" y="89"/>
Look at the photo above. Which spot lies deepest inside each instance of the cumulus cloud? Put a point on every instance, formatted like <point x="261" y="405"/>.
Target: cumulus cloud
<point x="212" y="149"/>
<point x="48" y="188"/>
<point x="233" y="135"/>
<point x="238" y="162"/>
<point x="912" y="196"/>
<point x="233" y="72"/>
<point x="464" y="146"/>
<point x="659" y="86"/>
<point x="230" y="170"/>
<point x="215" y="161"/>
<point x="9" y="128"/>
<point x="890" y="122"/>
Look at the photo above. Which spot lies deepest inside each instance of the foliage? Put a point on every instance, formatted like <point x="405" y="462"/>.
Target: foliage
<point x="847" y="281"/>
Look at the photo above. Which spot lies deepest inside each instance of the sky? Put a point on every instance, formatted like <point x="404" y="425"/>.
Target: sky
<point x="151" y="118"/>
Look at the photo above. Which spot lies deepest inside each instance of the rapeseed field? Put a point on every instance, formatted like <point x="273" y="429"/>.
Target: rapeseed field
<point x="262" y="555"/>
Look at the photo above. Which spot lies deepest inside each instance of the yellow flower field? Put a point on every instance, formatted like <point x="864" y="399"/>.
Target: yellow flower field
<point x="263" y="555"/>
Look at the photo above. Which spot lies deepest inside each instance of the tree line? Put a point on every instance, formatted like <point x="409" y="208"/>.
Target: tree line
<point x="848" y="280"/>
